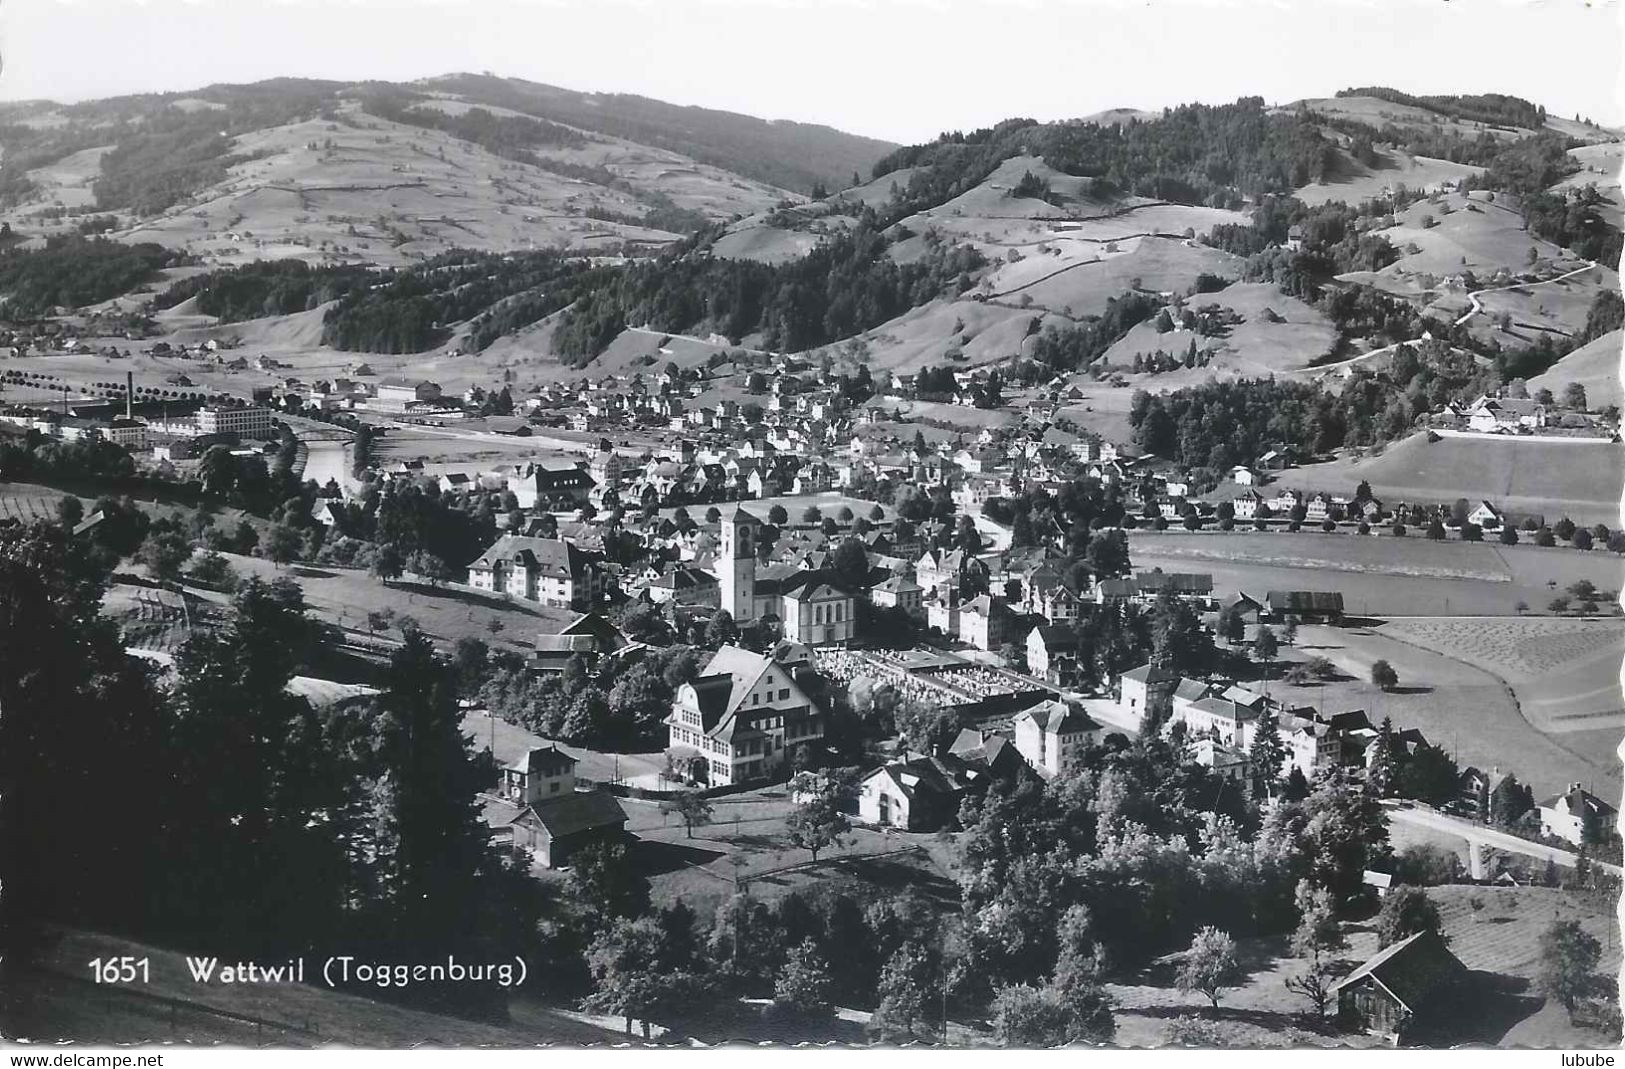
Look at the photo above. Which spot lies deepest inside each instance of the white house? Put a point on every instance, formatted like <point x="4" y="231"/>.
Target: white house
<point x="1053" y="736"/>
<point x="1565" y="815"/>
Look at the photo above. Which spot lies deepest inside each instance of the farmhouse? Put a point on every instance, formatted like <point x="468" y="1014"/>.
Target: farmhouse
<point x="1569" y="816"/>
<point x="1492" y="415"/>
<point x="1402" y="984"/>
<point x="919" y="794"/>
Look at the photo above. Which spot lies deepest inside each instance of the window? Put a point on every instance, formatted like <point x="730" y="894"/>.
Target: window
<point x="784" y="693"/>
<point x="756" y="699"/>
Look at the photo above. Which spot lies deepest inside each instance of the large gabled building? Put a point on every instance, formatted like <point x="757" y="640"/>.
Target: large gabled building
<point x="546" y="570"/>
<point x="743" y="716"/>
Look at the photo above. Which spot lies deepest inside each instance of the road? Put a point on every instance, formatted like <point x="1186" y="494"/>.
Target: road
<point x="1472" y="298"/>
<point x="1478" y="835"/>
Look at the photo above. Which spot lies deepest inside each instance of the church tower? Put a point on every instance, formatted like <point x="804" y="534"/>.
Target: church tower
<point x="736" y="567"/>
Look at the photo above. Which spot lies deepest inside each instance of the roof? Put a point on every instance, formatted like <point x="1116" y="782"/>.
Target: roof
<point x="1410" y="970"/>
<point x="1151" y="673"/>
<point x="899" y="584"/>
<point x="1059" y="718"/>
<point x="571" y="813"/>
<point x="544" y="761"/>
<point x="1174" y="583"/>
<point x="551" y="556"/>
<point x="1305" y="600"/>
<point x="1055" y="637"/>
<point x="722" y="686"/>
<point x="1579" y="801"/>
<point x="1190" y="690"/>
<point x="566" y="643"/>
<point x="1221" y="707"/>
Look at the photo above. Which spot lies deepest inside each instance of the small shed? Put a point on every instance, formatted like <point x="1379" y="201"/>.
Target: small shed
<point x="1391" y="993"/>
<point x="553" y="829"/>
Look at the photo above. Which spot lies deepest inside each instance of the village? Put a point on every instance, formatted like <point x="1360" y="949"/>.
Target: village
<point x="886" y="629"/>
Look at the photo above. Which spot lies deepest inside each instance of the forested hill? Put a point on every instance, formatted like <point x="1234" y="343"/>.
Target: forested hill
<point x="792" y="155"/>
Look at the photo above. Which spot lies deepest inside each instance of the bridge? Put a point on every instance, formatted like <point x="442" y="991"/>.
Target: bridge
<point x="1480" y="839"/>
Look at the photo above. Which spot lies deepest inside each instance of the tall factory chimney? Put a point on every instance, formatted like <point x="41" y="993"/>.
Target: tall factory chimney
<point x="129" y="395"/>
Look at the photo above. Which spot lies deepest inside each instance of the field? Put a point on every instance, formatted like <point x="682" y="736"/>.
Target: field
<point x="1255" y="348"/>
<point x="1565" y="672"/>
<point x="364" y="189"/>
<point x="1599" y="166"/>
<point x="1496" y="1005"/>
<point x="344" y="597"/>
<point x="1382" y="576"/>
<point x="1558" y="307"/>
<point x="1471" y="712"/>
<point x="1595" y="365"/>
<point x="1357" y="182"/>
<point x="1553" y="479"/>
<point x="27" y="503"/>
<point x="1481" y="232"/>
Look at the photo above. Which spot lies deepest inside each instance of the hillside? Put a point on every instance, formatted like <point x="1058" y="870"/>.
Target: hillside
<point x="369" y="172"/>
<point x="1595" y="365"/>
<point x="793" y="155"/>
<point x="1580" y="480"/>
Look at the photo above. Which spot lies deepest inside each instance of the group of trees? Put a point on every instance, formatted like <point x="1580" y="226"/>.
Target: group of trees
<point x="411" y="309"/>
<point x="247" y="820"/>
<point x="71" y="271"/>
<point x="1193" y="154"/>
<point x="843" y="287"/>
<point x="265" y="288"/>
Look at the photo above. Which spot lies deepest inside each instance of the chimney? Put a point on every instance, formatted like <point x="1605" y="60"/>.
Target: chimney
<point x="129" y="395"/>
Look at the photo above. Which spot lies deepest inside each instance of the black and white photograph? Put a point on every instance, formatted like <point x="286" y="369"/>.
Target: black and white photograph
<point x="947" y="524"/>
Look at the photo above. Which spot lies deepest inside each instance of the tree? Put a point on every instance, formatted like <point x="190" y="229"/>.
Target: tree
<point x="1568" y="962"/>
<point x="633" y="975"/>
<point x="1317" y="938"/>
<point x="692" y="807"/>
<point x="1268" y="753"/>
<point x="1510" y="801"/>
<point x="164" y="552"/>
<point x="1383" y="675"/>
<point x="387" y="563"/>
<point x="1383" y="765"/>
<point x="69" y="511"/>
<point x="721" y="630"/>
<point x="1564" y="529"/>
<point x="213" y="571"/>
<point x="1265" y="646"/>
<point x="1210" y="965"/>
<point x="1030" y="1017"/>
<point x="1289" y="630"/>
<point x="777" y="516"/>
<point x="431" y="843"/>
<point x="803" y="988"/>
<point x="1574" y="396"/>
<point x="282" y="544"/>
<point x="1405" y="911"/>
<point x="605" y="882"/>
<point x="905" y="991"/>
<point x="816" y="821"/>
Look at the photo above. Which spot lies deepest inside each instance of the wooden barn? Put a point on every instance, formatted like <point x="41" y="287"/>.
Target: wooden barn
<point x="1394" y="991"/>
